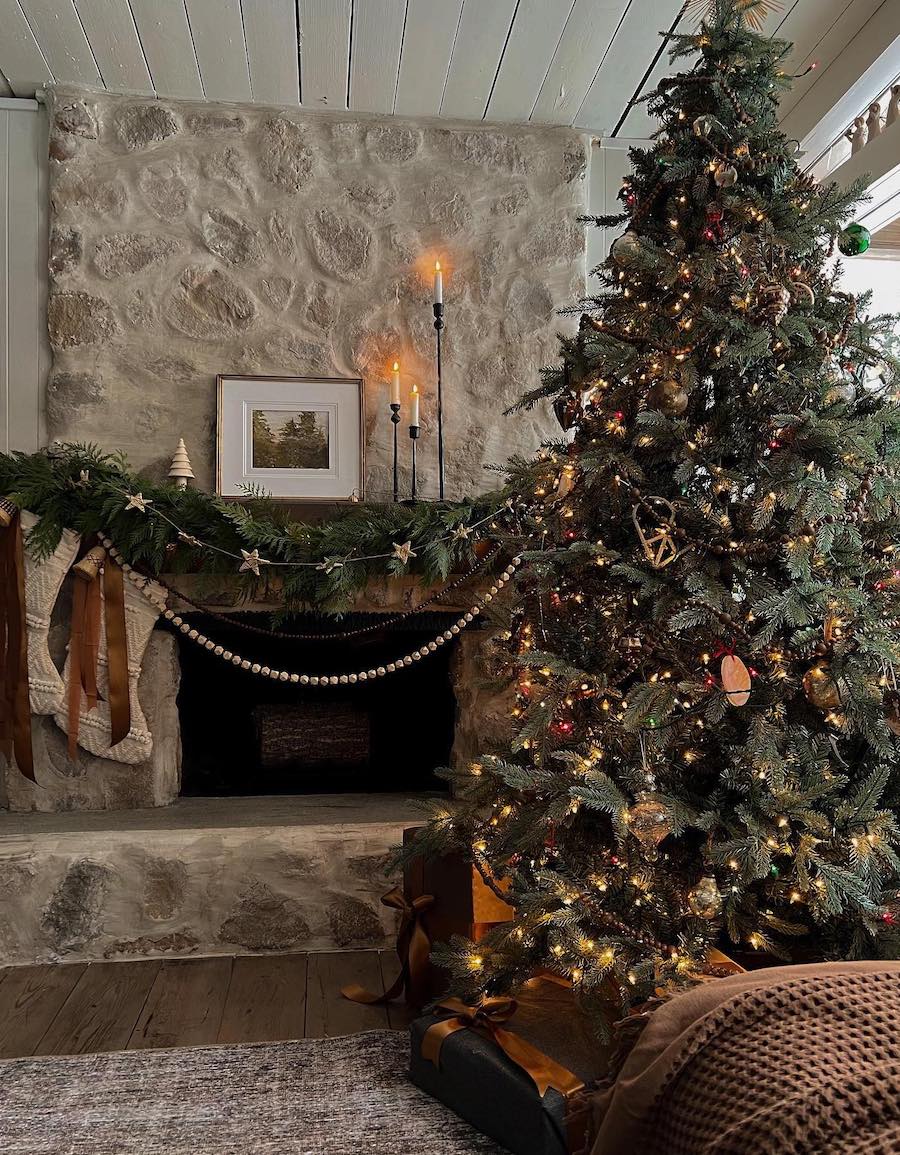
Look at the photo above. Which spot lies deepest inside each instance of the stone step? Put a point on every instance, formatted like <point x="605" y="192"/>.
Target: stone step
<point x="202" y="876"/>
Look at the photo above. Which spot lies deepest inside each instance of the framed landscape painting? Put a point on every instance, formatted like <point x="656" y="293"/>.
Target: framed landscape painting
<point x="300" y="438"/>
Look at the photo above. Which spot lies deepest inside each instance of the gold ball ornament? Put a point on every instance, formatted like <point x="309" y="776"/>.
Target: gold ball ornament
<point x="650" y="822"/>
<point x="820" y="687"/>
<point x="725" y="175"/>
<point x="668" y="397"/>
<point x="704" y="900"/>
<point x="625" y="247"/>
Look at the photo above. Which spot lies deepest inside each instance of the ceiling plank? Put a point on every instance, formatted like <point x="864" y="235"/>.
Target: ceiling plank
<point x="638" y="123"/>
<point x="113" y="38"/>
<point x="583" y="44"/>
<point x="273" y="49"/>
<point x="324" y="52"/>
<point x="58" y="30"/>
<point x="21" y="60"/>
<point x="533" y="39"/>
<point x="425" y="58"/>
<point x="477" y="52"/>
<point x="375" y="54"/>
<point x="218" y="35"/>
<point x="624" y="65"/>
<point x="168" y="46"/>
<point x="820" y="31"/>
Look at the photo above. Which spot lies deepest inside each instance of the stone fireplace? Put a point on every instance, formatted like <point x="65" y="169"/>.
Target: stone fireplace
<point x="189" y="240"/>
<point x="240" y="833"/>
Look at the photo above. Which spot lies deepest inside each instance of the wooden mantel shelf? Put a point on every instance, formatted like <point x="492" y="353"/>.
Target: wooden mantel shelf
<point x="225" y="594"/>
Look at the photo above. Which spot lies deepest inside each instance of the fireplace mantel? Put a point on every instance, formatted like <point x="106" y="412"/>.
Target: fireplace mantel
<point x="226" y="594"/>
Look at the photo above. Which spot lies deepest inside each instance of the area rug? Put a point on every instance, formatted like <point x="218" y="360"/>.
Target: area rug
<point x="345" y="1096"/>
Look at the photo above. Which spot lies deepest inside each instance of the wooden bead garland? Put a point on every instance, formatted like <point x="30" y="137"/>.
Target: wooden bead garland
<point x="142" y="583"/>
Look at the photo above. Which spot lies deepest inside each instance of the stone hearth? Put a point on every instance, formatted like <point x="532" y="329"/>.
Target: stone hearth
<point x="203" y="876"/>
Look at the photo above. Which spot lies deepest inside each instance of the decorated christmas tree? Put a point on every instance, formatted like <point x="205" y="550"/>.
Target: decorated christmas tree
<point x="705" y="634"/>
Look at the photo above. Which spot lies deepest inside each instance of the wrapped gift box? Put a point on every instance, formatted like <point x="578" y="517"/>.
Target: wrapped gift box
<point x="478" y="1080"/>
<point x="463" y="904"/>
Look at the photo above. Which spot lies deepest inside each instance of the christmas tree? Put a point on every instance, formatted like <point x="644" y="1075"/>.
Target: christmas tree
<point x="704" y="635"/>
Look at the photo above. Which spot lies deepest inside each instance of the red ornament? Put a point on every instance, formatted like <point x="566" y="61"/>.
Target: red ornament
<point x="715" y="229"/>
<point x="888" y="918"/>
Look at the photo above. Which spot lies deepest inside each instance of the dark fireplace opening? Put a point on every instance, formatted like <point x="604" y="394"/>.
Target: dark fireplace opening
<point x="243" y="734"/>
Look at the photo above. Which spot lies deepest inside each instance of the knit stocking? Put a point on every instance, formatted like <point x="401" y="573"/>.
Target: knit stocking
<point x="43" y="580"/>
<point x="94" y="732"/>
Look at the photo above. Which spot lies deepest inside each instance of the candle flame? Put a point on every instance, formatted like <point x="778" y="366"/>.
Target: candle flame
<point x="396" y="366"/>
<point x="415" y="388"/>
<point x="437" y="266"/>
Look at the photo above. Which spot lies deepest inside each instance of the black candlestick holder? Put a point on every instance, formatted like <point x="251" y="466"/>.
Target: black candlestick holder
<point x="395" y="420"/>
<point x="438" y="327"/>
<point x="413" y="438"/>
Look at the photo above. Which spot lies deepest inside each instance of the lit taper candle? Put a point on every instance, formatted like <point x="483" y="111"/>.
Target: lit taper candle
<point x="395" y="384"/>
<point x="414" y="403"/>
<point x="438" y="284"/>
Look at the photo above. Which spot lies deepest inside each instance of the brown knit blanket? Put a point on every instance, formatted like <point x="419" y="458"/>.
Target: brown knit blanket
<point x="786" y="1061"/>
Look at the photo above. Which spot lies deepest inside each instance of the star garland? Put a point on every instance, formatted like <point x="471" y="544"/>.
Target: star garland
<point x="252" y="561"/>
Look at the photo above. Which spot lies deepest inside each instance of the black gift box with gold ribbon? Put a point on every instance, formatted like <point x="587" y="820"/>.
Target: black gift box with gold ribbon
<point x="519" y="1071"/>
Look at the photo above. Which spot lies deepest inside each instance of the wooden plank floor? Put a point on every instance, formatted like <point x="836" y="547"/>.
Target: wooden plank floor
<point x="76" y="1008"/>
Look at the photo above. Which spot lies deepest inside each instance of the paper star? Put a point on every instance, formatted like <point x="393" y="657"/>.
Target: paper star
<point x="138" y="501"/>
<point x="404" y="552"/>
<point x="188" y="538"/>
<point x="252" y="561"/>
<point x="84" y="477"/>
<point x="461" y="533"/>
<point x="330" y="564"/>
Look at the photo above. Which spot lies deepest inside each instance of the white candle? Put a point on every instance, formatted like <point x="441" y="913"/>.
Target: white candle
<point x="395" y="384"/>
<point x="438" y="284"/>
<point x="414" y="399"/>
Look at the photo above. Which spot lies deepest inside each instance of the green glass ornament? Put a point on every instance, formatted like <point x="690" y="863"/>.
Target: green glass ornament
<point x="854" y="240"/>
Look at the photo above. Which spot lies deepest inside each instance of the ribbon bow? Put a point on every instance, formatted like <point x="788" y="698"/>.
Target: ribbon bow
<point x="15" y="707"/>
<point x="487" y="1020"/>
<point x="413" y="950"/>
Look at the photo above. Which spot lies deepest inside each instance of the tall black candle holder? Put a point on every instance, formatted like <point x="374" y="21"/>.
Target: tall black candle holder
<point x="395" y="421"/>
<point x="438" y="327"/>
<point x="413" y="438"/>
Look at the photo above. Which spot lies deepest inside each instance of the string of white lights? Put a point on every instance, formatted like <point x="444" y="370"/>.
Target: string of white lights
<point x="149" y="589"/>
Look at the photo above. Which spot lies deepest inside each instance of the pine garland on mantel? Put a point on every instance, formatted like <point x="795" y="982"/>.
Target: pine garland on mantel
<point x="81" y="488"/>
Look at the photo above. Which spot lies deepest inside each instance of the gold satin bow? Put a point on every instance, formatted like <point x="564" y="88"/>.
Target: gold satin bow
<point x="413" y="950"/>
<point x="487" y="1020"/>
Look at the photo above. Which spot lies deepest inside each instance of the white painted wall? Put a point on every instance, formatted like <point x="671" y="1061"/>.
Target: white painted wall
<point x="609" y="164"/>
<point x="881" y="275"/>
<point x="24" y="352"/>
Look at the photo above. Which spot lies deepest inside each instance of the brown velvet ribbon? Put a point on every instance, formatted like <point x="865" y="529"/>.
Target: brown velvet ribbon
<point x="487" y="1020"/>
<point x="413" y="950"/>
<point x="15" y="704"/>
<point x="116" y="652"/>
<point x="84" y="647"/>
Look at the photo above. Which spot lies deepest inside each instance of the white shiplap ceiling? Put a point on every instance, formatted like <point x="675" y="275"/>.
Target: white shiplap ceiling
<point x="580" y="62"/>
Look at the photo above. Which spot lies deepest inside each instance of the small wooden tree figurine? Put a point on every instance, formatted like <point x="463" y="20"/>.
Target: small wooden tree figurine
<point x="180" y="469"/>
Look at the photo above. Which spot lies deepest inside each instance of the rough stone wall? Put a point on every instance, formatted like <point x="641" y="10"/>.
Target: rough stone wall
<point x="144" y="893"/>
<point x="194" y="239"/>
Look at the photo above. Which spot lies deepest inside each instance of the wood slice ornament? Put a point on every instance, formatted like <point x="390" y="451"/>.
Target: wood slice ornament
<point x="735" y="680"/>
